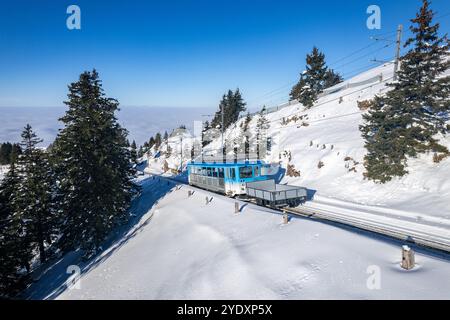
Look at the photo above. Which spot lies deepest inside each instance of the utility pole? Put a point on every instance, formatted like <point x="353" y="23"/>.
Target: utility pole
<point x="222" y="127"/>
<point x="397" y="53"/>
<point x="203" y="134"/>
<point x="201" y="142"/>
<point x="181" y="160"/>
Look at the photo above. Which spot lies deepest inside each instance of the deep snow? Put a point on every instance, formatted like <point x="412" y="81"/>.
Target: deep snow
<point x="185" y="249"/>
<point x="329" y="133"/>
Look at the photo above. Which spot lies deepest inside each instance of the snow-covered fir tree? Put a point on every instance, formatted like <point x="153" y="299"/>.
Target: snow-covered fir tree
<point x="140" y="152"/>
<point x="6" y="150"/>
<point x="93" y="167"/>
<point x="331" y="78"/>
<point x="232" y="104"/>
<point x="405" y="121"/>
<point x="15" y="251"/>
<point x="246" y="135"/>
<point x="133" y="152"/>
<point x="158" y="140"/>
<point x="314" y="79"/>
<point x="33" y="198"/>
<point x="262" y="126"/>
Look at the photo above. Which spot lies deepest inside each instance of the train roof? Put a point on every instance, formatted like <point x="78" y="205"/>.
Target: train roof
<point x="226" y="164"/>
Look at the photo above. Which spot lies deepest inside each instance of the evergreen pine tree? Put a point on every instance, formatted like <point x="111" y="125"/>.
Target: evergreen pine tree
<point x="93" y="167"/>
<point x="246" y="134"/>
<point x="331" y="79"/>
<point x="6" y="151"/>
<point x="15" y="253"/>
<point x="420" y="79"/>
<point x="216" y="122"/>
<point x="33" y="200"/>
<point x="314" y="79"/>
<point x="140" y="152"/>
<point x="232" y="104"/>
<point x="151" y="142"/>
<point x="311" y="81"/>
<point x="262" y="126"/>
<point x="384" y="136"/>
<point x="404" y="122"/>
<point x="299" y="89"/>
<point x="133" y="152"/>
<point x="236" y="105"/>
<point x="158" y="140"/>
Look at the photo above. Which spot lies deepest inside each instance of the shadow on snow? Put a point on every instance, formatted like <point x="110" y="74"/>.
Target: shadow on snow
<point x="54" y="277"/>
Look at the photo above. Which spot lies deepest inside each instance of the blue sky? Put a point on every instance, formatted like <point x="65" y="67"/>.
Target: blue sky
<point x="185" y="53"/>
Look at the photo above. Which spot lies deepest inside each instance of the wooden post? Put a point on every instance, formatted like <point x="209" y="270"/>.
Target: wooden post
<point x="236" y="207"/>
<point x="408" y="260"/>
<point x="285" y="218"/>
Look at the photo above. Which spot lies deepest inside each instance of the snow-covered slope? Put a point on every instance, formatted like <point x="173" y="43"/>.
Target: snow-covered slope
<point x="185" y="249"/>
<point x="329" y="133"/>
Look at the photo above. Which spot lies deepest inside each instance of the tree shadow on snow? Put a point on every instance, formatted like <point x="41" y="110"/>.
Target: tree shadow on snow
<point x="55" y="278"/>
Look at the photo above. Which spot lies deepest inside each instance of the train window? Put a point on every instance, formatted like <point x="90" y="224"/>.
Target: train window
<point x="221" y="173"/>
<point x="245" y="172"/>
<point x="256" y="171"/>
<point x="214" y="172"/>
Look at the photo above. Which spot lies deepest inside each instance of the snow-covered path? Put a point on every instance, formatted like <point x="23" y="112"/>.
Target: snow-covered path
<point x="185" y="249"/>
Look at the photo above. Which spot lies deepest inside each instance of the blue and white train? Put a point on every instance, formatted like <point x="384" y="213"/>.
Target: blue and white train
<point x="227" y="178"/>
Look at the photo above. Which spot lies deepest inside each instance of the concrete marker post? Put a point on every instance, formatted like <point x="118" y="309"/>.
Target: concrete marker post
<point x="408" y="258"/>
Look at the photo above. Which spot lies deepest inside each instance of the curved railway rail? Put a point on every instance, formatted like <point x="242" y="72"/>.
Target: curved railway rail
<point x="421" y="238"/>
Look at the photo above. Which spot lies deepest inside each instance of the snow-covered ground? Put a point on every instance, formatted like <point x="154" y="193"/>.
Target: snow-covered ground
<point x="185" y="249"/>
<point x="179" y="247"/>
<point x="329" y="133"/>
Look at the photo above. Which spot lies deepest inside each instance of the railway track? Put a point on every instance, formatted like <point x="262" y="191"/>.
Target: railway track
<point x="438" y="241"/>
<point x="420" y="238"/>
